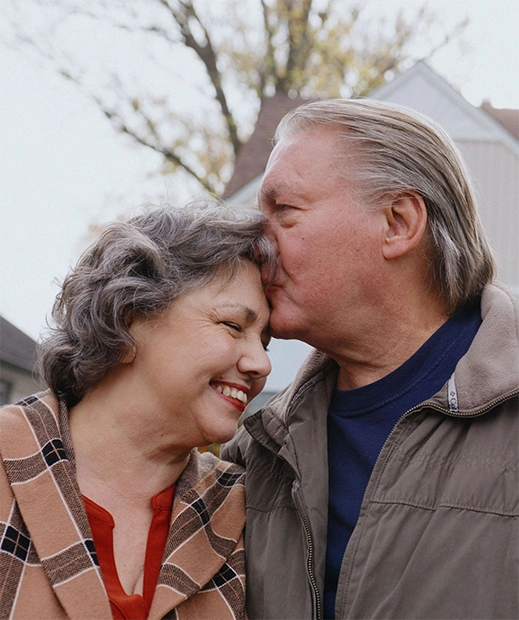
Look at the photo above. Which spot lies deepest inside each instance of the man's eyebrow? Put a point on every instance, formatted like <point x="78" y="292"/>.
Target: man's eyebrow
<point x="274" y="191"/>
<point x="286" y="191"/>
<point x="249" y="313"/>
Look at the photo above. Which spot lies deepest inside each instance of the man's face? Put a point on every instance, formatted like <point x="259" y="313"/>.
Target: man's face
<point x="329" y="248"/>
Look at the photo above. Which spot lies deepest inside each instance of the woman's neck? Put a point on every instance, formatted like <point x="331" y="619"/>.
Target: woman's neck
<point x="115" y="460"/>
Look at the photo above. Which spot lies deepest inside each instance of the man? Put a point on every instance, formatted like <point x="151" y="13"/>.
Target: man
<point x="383" y="482"/>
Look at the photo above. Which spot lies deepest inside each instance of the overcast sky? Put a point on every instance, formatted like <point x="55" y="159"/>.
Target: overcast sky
<point x="62" y="167"/>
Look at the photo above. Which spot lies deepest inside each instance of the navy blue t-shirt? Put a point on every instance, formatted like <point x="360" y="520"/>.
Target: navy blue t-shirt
<point x="360" y="421"/>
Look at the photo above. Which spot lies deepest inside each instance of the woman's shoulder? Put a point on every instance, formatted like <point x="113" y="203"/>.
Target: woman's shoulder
<point x="205" y="470"/>
<point x="45" y="401"/>
<point x="40" y="410"/>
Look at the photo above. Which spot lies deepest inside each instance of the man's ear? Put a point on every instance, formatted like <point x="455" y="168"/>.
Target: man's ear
<point x="406" y="221"/>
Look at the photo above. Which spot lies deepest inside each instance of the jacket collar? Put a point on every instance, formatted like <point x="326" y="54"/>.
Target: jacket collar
<point x="488" y="373"/>
<point x="43" y="482"/>
<point x="269" y="426"/>
<point x="207" y="520"/>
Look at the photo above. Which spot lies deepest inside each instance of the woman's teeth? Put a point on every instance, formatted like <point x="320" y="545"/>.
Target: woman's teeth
<point x="232" y="392"/>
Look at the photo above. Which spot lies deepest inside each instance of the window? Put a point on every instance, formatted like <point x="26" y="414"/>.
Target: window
<point x="5" y="392"/>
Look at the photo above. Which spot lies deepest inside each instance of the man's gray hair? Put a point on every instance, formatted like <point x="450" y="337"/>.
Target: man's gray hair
<point x="386" y="149"/>
<point x="140" y="267"/>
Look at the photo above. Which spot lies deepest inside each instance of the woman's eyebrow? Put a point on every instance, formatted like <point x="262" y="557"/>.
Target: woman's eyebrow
<point x="248" y="312"/>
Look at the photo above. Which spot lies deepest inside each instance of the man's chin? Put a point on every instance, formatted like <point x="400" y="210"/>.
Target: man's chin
<point x="280" y="335"/>
<point x="281" y="327"/>
<point x="283" y="315"/>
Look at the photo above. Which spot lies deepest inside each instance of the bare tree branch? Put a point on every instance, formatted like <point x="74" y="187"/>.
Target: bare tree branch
<point x="285" y="46"/>
<point x="206" y="53"/>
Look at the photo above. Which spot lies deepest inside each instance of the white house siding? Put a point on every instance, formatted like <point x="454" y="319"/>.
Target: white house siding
<point x="496" y="178"/>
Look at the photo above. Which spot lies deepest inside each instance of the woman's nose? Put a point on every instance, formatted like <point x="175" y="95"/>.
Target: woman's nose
<point x="255" y="361"/>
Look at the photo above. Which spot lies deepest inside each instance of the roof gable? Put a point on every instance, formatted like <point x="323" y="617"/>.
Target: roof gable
<point x="423" y="90"/>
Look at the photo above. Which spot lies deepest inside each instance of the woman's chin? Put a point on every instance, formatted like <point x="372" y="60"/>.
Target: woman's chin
<point x="221" y="436"/>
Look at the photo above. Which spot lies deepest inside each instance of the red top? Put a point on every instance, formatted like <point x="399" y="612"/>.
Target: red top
<point x="131" y="606"/>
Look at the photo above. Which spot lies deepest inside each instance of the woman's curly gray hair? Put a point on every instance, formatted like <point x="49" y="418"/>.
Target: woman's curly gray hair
<point x="140" y="267"/>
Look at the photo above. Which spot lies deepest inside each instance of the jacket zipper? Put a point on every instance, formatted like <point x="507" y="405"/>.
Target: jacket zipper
<point x="452" y="414"/>
<point x="310" y="560"/>
<point x="435" y="407"/>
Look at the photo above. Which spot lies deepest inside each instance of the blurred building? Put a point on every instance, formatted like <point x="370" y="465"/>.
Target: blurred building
<point x="17" y="358"/>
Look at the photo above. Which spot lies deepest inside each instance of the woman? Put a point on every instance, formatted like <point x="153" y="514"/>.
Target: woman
<point x="106" y="509"/>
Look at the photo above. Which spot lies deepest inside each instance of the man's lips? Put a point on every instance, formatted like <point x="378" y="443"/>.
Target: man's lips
<point x="272" y="289"/>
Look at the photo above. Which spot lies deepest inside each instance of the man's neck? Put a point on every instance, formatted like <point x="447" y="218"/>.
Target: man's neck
<point x="378" y="352"/>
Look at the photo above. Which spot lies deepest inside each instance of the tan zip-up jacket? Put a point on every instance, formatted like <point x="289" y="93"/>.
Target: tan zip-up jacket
<point x="437" y="536"/>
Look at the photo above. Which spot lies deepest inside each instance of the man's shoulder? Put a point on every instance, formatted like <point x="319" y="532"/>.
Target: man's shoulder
<point x="233" y="451"/>
<point x="267" y="429"/>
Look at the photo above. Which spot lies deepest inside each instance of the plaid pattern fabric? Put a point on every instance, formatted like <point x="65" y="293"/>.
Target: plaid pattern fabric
<point x="48" y="563"/>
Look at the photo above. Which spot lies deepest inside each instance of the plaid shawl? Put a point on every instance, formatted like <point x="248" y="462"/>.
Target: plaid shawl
<point x="48" y="563"/>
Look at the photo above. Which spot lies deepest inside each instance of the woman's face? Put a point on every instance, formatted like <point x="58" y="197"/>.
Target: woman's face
<point x="202" y="360"/>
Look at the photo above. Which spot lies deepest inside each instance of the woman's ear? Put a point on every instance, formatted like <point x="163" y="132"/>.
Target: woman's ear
<point x="130" y="350"/>
<point x="129" y="355"/>
<point x="406" y="222"/>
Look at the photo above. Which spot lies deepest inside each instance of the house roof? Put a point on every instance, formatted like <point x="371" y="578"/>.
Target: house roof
<point x="458" y="116"/>
<point x="423" y="90"/>
<point x="16" y="348"/>
<point x="253" y="156"/>
<point x="506" y="117"/>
